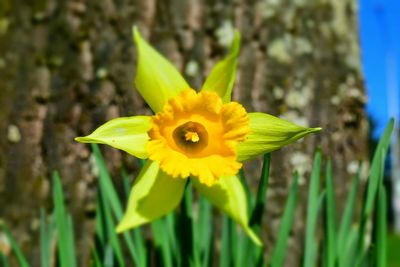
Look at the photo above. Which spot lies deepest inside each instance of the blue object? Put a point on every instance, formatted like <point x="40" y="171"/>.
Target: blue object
<point x="380" y="55"/>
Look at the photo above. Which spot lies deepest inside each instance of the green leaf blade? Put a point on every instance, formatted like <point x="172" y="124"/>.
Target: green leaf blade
<point x="375" y="178"/>
<point x="312" y="212"/>
<point x="330" y="219"/>
<point x="380" y="237"/>
<point x="346" y="221"/>
<point x="135" y="244"/>
<point x="64" y="227"/>
<point x="14" y="248"/>
<point x="278" y="254"/>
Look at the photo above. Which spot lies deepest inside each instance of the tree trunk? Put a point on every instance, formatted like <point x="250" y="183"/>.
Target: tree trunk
<point x="66" y="67"/>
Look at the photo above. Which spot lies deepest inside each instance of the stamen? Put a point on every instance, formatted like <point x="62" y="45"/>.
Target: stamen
<point x="192" y="136"/>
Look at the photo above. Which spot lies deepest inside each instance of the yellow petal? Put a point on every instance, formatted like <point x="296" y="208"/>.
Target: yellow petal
<point x="126" y="133"/>
<point x="153" y="195"/>
<point x="269" y="133"/>
<point x="196" y="135"/>
<point x="222" y="76"/>
<point x="228" y="195"/>
<point x="156" y="79"/>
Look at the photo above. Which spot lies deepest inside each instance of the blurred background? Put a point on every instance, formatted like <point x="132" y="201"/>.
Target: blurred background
<point x="380" y="50"/>
<point x="67" y="66"/>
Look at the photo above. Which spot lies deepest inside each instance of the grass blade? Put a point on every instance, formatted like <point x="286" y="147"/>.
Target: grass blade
<point x="348" y="251"/>
<point x="234" y="245"/>
<point x="278" y="254"/>
<point x="377" y="167"/>
<point x="245" y="252"/>
<point x="374" y="180"/>
<point x="187" y="237"/>
<point x="136" y="247"/>
<point x="3" y="260"/>
<point x="106" y="183"/>
<point x="101" y="233"/>
<point x="345" y="224"/>
<point x="108" y="229"/>
<point x="14" y="247"/>
<point x="380" y="251"/>
<point x="203" y="232"/>
<point x="108" y="256"/>
<point x="71" y="238"/>
<point x="112" y="197"/>
<point x="161" y="240"/>
<point x="242" y="245"/>
<point x="96" y="262"/>
<point x="225" y="253"/>
<point x="174" y="234"/>
<point x="312" y="213"/>
<point x="393" y="245"/>
<point x="46" y="237"/>
<point x="330" y="219"/>
<point x="256" y="216"/>
<point x="63" y="223"/>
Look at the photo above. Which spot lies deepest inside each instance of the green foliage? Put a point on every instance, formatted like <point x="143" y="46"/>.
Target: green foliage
<point x="393" y="245"/>
<point x="188" y="237"/>
<point x="278" y="255"/>
<point x="330" y="219"/>
<point x="15" y="248"/>
<point x="346" y="235"/>
<point x="63" y="225"/>
<point x="310" y="246"/>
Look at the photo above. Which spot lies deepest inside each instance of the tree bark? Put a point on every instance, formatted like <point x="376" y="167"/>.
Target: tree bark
<point x="66" y="67"/>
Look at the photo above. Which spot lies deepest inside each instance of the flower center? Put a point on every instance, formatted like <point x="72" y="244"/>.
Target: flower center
<point x="191" y="137"/>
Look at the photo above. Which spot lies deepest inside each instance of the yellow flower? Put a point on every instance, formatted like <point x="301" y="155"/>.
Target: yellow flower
<point x="196" y="135"/>
<point x="202" y="135"/>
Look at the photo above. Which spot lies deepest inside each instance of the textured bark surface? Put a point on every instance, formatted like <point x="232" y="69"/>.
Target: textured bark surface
<point x="68" y="66"/>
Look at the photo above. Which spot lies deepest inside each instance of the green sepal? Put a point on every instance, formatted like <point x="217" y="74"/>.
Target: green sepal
<point x="223" y="74"/>
<point x="228" y="195"/>
<point x="157" y="80"/>
<point x="153" y="195"/>
<point x="126" y="133"/>
<point x="269" y="133"/>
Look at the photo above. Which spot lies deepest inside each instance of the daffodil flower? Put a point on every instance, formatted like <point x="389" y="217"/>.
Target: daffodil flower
<point x="201" y="135"/>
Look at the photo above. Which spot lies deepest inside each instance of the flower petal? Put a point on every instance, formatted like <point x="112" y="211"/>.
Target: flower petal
<point x="269" y="133"/>
<point x="218" y="128"/>
<point x="156" y="79"/>
<point x="153" y="195"/>
<point x="222" y="76"/>
<point x="229" y="196"/>
<point x="125" y="133"/>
